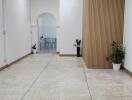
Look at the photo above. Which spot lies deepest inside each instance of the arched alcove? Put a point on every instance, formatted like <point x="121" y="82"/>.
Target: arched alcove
<point x="47" y="33"/>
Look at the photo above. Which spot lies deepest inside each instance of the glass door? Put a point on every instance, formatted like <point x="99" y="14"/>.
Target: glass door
<point x="47" y="33"/>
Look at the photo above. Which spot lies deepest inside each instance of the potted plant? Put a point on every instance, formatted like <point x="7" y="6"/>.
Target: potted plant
<point x="117" y="56"/>
<point x="34" y="49"/>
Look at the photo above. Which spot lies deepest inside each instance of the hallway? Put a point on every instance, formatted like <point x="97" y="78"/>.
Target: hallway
<point x="50" y="77"/>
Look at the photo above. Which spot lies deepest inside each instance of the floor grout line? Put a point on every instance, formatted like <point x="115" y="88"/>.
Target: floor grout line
<point x="86" y="80"/>
<point x="37" y="78"/>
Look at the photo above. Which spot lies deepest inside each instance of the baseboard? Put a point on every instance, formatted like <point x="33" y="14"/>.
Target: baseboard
<point x="67" y="55"/>
<point x="128" y="72"/>
<point x="8" y="65"/>
<point x="3" y="67"/>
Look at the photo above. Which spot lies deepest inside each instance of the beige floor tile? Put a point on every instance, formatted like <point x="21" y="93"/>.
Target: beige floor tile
<point x="51" y="77"/>
<point x="10" y="97"/>
<point x="108" y="98"/>
<point x="58" y="91"/>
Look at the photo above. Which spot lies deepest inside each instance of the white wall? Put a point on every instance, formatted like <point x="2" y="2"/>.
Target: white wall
<point x="1" y="36"/>
<point x="39" y="7"/>
<point x="71" y="12"/>
<point x="17" y="27"/>
<point x="128" y="34"/>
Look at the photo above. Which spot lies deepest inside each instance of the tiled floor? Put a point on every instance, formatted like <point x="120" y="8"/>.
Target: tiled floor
<point x="50" y="77"/>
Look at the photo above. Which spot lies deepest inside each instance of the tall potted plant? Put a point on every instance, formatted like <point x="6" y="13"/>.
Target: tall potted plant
<point x="78" y="45"/>
<point x="117" y="56"/>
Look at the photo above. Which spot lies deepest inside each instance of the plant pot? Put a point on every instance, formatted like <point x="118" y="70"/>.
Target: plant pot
<point x="34" y="51"/>
<point x="116" y="67"/>
<point x="78" y="52"/>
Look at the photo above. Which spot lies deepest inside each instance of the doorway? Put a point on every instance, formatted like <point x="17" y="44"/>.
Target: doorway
<point x="47" y="33"/>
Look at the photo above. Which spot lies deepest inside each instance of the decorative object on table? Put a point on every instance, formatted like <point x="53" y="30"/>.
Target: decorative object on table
<point x="78" y="45"/>
<point x="117" y="56"/>
<point x="34" y="49"/>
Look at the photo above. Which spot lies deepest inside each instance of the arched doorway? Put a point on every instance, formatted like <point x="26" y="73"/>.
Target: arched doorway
<point x="47" y="33"/>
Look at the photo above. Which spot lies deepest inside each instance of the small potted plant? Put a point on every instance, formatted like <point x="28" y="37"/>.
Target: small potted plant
<point x="34" y="49"/>
<point x="117" y="56"/>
